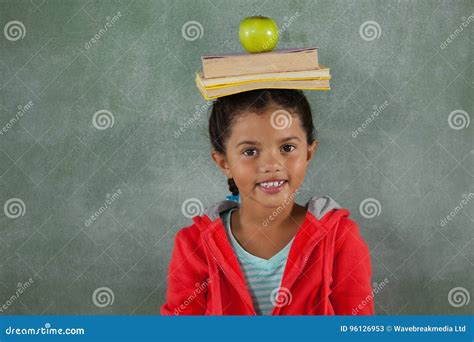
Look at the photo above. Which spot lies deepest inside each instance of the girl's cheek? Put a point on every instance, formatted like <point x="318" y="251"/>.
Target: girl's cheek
<point x="246" y="169"/>
<point x="297" y="168"/>
<point x="296" y="161"/>
<point x="249" y="163"/>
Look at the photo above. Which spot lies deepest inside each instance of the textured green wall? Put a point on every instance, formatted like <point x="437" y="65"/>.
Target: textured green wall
<point x="87" y="123"/>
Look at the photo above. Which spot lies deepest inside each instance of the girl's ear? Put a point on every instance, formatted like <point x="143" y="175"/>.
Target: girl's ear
<point x="312" y="149"/>
<point x="221" y="162"/>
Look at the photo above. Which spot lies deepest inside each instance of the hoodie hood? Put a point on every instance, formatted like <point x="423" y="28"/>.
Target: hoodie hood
<point x="318" y="206"/>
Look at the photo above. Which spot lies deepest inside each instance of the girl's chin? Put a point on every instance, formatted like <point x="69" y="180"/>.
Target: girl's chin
<point x="270" y="201"/>
<point x="273" y="199"/>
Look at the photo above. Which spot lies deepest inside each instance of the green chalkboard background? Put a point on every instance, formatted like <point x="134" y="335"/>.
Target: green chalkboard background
<point x="87" y="123"/>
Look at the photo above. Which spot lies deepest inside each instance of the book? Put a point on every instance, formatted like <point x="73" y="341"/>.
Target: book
<point x="318" y="74"/>
<point x="214" y="93"/>
<point x="237" y="64"/>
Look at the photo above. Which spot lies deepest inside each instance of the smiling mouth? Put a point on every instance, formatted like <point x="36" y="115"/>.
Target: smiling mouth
<point x="272" y="184"/>
<point x="272" y="187"/>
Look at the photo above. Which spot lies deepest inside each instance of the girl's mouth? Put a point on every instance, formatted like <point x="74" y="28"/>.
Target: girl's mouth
<point x="272" y="187"/>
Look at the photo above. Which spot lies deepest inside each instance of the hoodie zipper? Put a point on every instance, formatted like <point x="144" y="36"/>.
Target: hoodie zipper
<point x="290" y="285"/>
<point x="227" y="276"/>
<point x="311" y="248"/>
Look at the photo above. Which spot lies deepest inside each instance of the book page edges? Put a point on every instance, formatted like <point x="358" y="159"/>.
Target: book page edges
<point x="268" y="87"/>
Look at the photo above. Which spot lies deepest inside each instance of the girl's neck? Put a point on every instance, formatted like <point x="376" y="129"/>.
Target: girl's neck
<point x="254" y="216"/>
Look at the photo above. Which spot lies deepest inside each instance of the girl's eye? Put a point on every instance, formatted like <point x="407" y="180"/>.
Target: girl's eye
<point x="249" y="152"/>
<point x="288" y="148"/>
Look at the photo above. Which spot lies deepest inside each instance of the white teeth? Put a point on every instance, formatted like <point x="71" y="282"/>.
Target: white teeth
<point x="272" y="184"/>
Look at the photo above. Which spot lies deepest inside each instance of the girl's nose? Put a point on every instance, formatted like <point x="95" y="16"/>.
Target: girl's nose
<point x="270" y="163"/>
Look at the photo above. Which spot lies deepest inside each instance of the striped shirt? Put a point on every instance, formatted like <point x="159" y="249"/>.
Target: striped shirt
<point x="263" y="276"/>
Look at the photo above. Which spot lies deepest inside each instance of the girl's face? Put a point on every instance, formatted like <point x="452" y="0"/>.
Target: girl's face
<point x="270" y="146"/>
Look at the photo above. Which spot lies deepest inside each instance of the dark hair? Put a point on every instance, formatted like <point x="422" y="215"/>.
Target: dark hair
<point x="226" y="109"/>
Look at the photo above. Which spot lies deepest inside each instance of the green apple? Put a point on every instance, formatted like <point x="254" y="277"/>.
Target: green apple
<point x="258" y="34"/>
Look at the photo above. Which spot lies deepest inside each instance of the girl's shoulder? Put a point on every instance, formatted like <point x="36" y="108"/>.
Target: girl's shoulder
<point x="205" y="220"/>
<point x="337" y="221"/>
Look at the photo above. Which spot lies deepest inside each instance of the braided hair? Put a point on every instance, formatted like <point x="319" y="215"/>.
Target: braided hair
<point x="232" y="186"/>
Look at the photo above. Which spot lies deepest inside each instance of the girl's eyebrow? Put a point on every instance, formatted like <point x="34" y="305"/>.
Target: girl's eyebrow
<point x="249" y="142"/>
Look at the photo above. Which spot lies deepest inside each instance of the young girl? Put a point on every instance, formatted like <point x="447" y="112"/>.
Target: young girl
<point x="266" y="254"/>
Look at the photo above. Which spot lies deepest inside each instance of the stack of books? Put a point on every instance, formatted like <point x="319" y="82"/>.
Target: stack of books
<point x="233" y="73"/>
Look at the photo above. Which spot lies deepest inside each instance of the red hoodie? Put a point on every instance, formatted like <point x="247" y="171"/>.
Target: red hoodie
<point x="328" y="271"/>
